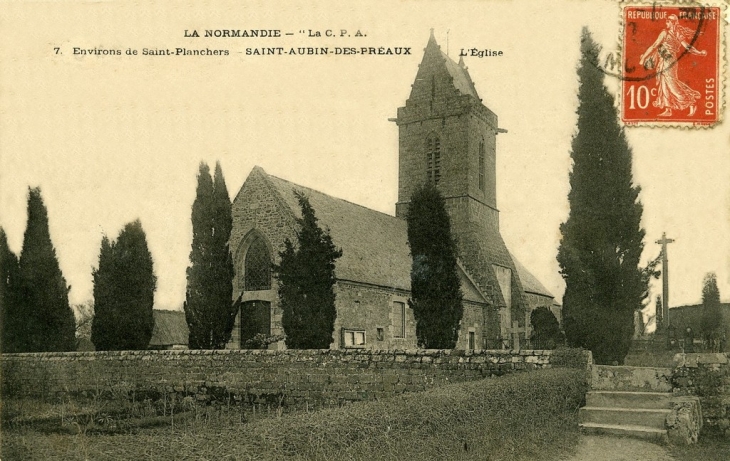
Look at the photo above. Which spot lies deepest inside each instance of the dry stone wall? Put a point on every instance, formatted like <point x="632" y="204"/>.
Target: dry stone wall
<point x="314" y="378"/>
<point x="706" y="376"/>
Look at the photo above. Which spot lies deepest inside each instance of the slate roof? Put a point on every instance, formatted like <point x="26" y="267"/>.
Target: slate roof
<point x="374" y="244"/>
<point x="171" y="328"/>
<point x="462" y="80"/>
<point x="530" y="283"/>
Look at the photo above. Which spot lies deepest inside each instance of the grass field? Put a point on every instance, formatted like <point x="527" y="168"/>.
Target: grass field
<point x="527" y="416"/>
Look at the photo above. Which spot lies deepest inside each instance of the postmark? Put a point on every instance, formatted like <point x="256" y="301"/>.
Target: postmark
<point x="672" y="65"/>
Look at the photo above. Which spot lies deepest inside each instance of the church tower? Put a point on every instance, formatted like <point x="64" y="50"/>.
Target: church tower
<point x="448" y="137"/>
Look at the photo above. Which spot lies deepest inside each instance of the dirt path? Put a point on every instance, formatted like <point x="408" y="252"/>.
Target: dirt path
<point x="605" y="448"/>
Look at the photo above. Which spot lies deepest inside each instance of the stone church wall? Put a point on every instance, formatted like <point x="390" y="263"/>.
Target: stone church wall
<point x="370" y="308"/>
<point x="257" y="209"/>
<point x="295" y="378"/>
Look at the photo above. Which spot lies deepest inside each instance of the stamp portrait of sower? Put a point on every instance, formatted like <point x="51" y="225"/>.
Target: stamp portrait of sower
<point x="662" y="55"/>
<point x="672" y="65"/>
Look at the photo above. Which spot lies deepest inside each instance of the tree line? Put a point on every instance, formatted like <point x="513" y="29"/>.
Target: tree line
<point x="35" y="314"/>
<point x="601" y="244"/>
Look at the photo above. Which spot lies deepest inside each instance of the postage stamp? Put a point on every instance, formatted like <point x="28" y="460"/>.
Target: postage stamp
<point x="672" y="65"/>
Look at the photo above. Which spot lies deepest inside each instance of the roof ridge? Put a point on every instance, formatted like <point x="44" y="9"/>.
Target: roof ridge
<point x="330" y="196"/>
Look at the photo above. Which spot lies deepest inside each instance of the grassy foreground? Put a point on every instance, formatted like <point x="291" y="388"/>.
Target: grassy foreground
<point x="526" y="416"/>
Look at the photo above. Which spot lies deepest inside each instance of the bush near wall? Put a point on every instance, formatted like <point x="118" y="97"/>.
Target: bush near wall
<point x="297" y="378"/>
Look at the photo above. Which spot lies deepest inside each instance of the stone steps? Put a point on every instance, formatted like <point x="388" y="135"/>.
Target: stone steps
<point x="628" y="402"/>
<point x="647" y="417"/>
<point x="620" y="430"/>
<point x="628" y="399"/>
<point x="622" y="378"/>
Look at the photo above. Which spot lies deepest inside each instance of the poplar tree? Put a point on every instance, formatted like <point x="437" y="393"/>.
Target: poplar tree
<point x="124" y="288"/>
<point x="45" y="320"/>
<point x="209" y="310"/>
<point x="436" y="297"/>
<point x="602" y="239"/>
<point x="306" y="276"/>
<point x="9" y="313"/>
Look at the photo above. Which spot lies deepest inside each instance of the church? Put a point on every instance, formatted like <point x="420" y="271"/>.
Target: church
<point x="446" y="136"/>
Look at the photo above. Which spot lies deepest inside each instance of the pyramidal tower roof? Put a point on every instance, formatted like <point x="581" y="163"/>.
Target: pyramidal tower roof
<point x="461" y="79"/>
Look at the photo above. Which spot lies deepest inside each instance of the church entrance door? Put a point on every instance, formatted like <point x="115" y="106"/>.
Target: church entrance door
<point x="255" y="319"/>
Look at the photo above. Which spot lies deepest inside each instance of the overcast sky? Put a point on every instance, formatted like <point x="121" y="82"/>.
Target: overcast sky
<point x="113" y="138"/>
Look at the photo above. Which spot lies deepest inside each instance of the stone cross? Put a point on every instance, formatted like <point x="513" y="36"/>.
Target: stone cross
<point x="665" y="277"/>
<point x="515" y="332"/>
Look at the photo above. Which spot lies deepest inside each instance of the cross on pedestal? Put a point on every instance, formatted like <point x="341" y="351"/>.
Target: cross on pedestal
<point x="665" y="276"/>
<point x="515" y="333"/>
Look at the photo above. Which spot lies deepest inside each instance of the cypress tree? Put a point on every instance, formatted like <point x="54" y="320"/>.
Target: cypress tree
<point x="45" y="320"/>
<point x="711" y="310"/>
<point x="9" y="313"/>
<point x="209" y="310"/>
<point x="659" y="313"/>
<point x="306" y="276"/>
<point x="602" y="239"/>
<point x="435" y="285"/>
<point x="124" y="289"/>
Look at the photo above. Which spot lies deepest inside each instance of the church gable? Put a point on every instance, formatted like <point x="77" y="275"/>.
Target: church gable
<point x="260" y="218"/>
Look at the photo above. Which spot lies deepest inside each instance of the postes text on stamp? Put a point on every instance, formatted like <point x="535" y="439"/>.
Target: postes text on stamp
<point x="672" y="65"/>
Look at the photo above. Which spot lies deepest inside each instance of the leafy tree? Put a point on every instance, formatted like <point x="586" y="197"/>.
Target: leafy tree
<point x="10" y="316"/>
<point x="209" y="310"/>
<point x="84" y="314"/>
<point x="711" y="309"/>
<point x="44" y="321"/>
<point x="602" y="239"/>
<point x="306" y="276"/>
<point x="546" y="332"/>
<point x="435" y="285"/>
<point x="124" y="290"/>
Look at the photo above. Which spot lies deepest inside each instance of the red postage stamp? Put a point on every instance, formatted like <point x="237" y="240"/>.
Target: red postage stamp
<point x="672" y="65"/>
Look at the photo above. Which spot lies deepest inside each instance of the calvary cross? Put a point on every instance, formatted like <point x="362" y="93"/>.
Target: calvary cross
<point x="665" y="276"/>
<point x="515" y="333"/>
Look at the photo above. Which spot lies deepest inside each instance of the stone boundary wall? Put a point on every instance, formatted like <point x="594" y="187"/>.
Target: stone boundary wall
<point x="706" y="376"/>
<point x="314" y="378"/>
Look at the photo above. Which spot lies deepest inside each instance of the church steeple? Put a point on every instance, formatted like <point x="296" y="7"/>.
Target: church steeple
<point x="447" y="136"/>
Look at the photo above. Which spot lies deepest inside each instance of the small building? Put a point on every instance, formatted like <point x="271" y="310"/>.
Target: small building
<point x="170" y="331"/>
<point x="690" y="316"/>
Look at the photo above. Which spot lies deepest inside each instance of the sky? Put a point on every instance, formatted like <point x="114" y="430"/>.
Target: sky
<point x="110" y="139"/>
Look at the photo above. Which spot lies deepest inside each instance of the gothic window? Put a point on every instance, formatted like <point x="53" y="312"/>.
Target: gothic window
<point x="481" y="165"/>
<point x="257" y="266"/>
<point x="433" y="159"/>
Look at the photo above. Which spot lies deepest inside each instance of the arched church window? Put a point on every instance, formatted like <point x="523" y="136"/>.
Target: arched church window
<point x="481" y="165"/>
<point x="257" y="266"/>
<point x="433" y="159"/>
